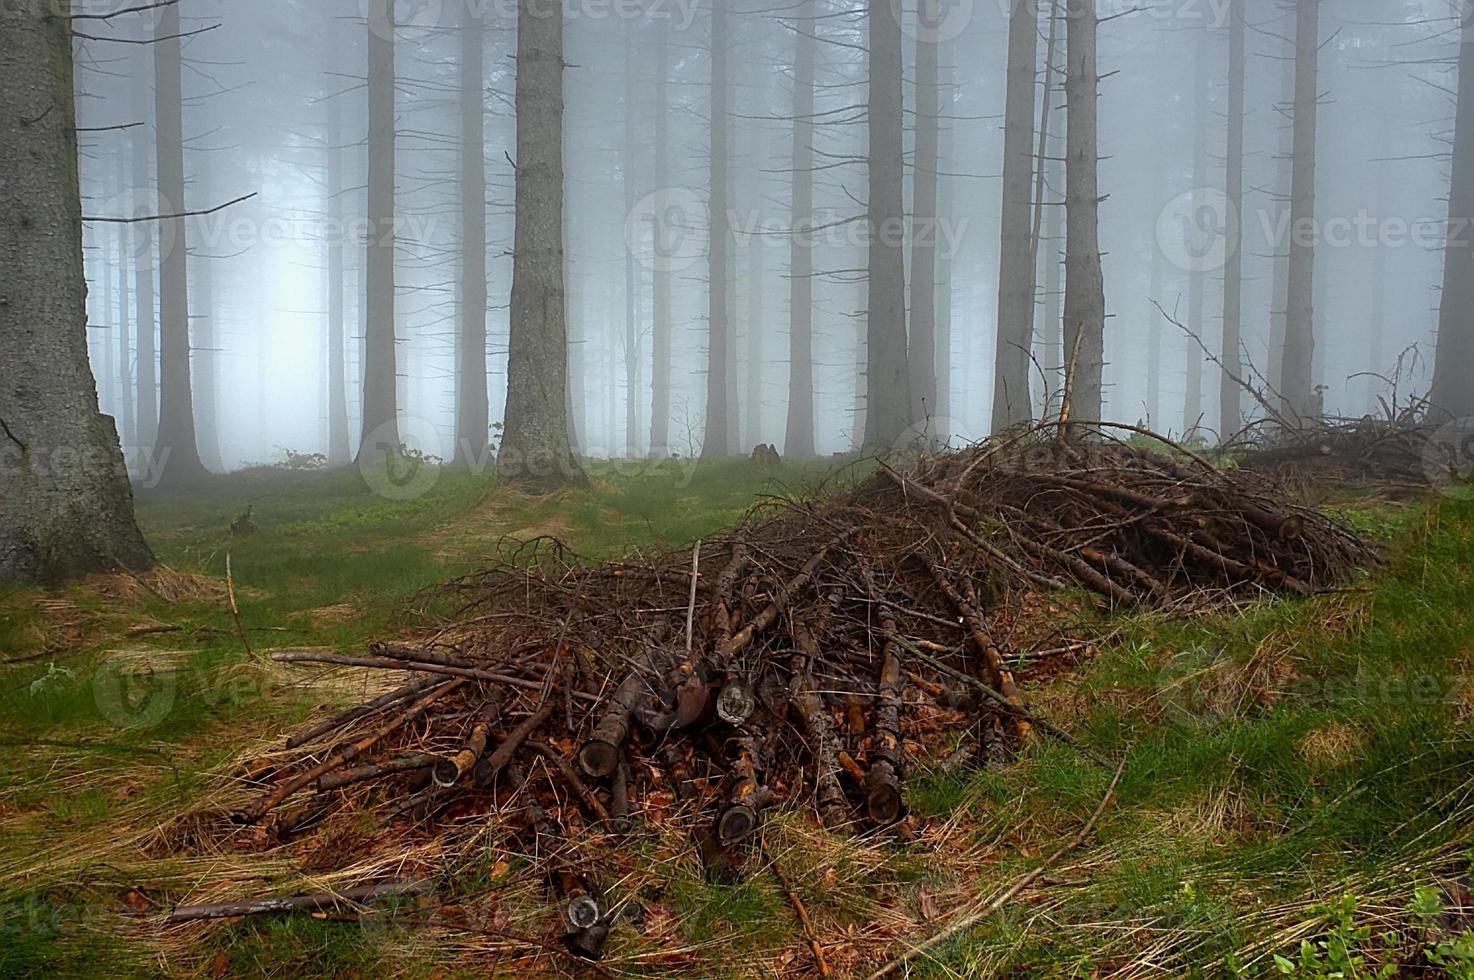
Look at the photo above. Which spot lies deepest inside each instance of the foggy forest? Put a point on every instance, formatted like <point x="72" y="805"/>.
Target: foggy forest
<point x="736" y="487"/>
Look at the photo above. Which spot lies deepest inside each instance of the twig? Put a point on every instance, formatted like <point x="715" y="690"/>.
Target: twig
<point x="235" y="611"/>
<point x="803" y="916"/>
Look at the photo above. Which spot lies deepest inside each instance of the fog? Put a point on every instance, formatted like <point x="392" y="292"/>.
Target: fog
<point x="275" y="107"/>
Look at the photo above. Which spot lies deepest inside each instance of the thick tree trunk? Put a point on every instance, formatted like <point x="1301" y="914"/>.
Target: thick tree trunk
<point x="717" y="441"/>
<point x="177" y="454"/>
<point x="1453" y="392"/>
<point x="1297" y="381"/>
<point x="535" y="450"/>
<point x="141" y="244"/>
<point x="1230" y="397"/>
<point x="473" y="412"/>
<point x="127" y="403"/>
<point x="798" y="442"/>
<point x="380" y="357"/>
<point x="1084" y="285"/>
<point x="923" y="352"/>
<point x="66" y="508"/>
<point x="754" y="401"/>
<point x="660" y="300"/>
<point x="887" y="375"/>
<point x="1016" y="265"/>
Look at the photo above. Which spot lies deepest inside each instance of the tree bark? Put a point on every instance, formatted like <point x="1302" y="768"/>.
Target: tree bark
<point x="1084" y="333"/>
<point x="535" y="451"/>
<point x="924" y="230"/>
<point x="338" y="450"/>
<point x="1453" y="393"/>
<point x="473" y="411"/>
<point x="887" y="375"/>
<point x="632" y="347"/>
<point x="176" y="454"/>
<point x="1016" y="268"/>
<point x="380" y="358"/>
<point x="127" y="404"/>
<point x="754" y="407"/>
<point x="1297" y="382"/>
<point x="798" y="441"/>
<point x="717" y="441"/>
<point x="1192" y="364"/>
<point x="660" y="301"/>
<point x="1230" y="396"/>
<point x="66" y="508"/>
<point x="141" y="243"/>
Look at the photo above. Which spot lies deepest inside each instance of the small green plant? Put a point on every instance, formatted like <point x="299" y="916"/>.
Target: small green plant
<point x="1455" y="956"/>
<point x="53" y="676"/>
<point x="1339" y="955"/>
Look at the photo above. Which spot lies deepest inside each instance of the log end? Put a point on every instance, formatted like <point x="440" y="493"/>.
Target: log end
<point x="598" y="758"/>
<point x="883" y="801"/>
<point x="736" y="823"/>
<point x="446" y="772"/>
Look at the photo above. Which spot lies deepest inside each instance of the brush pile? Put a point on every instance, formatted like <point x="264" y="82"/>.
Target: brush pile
<point x="809" y="656"/>
<point x="1398" y="452"/>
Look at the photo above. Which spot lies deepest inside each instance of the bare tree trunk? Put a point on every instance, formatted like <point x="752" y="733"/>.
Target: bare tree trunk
<point x="660" y="302"/>
<point x="1453" y="392"/>
<point x="176" y="453"/>
<point x="1192" y="367"/>
<point x="632" y="345"/>
<point x="473" y="421"/>
<point x="943" y="359"/>
<point x="66" y="508"/>
<point x="1301" y="401"/>
<point x="338" y="451"/>
<point x="535" y="450"/>
<point x="141" y="244"/>
<point x="1084" y="284"/>
<point x="887" y="376"/>
<point x="127" y="404"/>
<point x="1016" y="269"/>
<point x="923" y="353"/>
<point x="717" y="440"/>
<point x="1230" y="398"/>
<point x="380" y="356"/>
<point x="1054" y="294"/>
<point x="799" y="439"/>
<point x="206" y="355"/>
<point x="754" y="406"/>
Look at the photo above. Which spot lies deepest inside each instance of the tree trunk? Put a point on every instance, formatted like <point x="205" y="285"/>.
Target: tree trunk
<point x="66" y="508"/>
<point x="206" y="372"/>
<point x="338" y="450"/>
<point x="141" y="244"/>
<point x="1084" y="285"/>
<point x="127" y="405"/>
<point x="1016" y="268"/>
<point x="1230" y="397"/>
<point x="1301" y="401"/>
<point x="798" y="442"/>
<point x="380" y="357"/>
<point x="473" y="421"/>
<point x="632" y="346"/>
<point x="887" y="376"/>
<point x="535" y="450"/>
<point x="660" y="301"/>
<point x="1192" y="365"/>
<point x="754" y="406"/>
<point x="717" y="441"/>
<point x="1453" y="393"/>
<point x="923" y="352"/>
<point x="176" y="454"/>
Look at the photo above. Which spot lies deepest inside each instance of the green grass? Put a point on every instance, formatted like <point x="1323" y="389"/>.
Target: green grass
<point x="1278" y="758"/>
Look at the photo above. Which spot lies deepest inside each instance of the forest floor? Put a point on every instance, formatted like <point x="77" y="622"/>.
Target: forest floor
<point x="1295" y="773"/>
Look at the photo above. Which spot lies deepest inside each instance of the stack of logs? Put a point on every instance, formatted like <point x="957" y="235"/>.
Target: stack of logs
<point x="803" y="658"/>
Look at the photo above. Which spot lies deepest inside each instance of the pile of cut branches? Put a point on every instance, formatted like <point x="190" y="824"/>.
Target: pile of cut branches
<point x="1396" y="452"/>
<point x="807" y="657"/>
